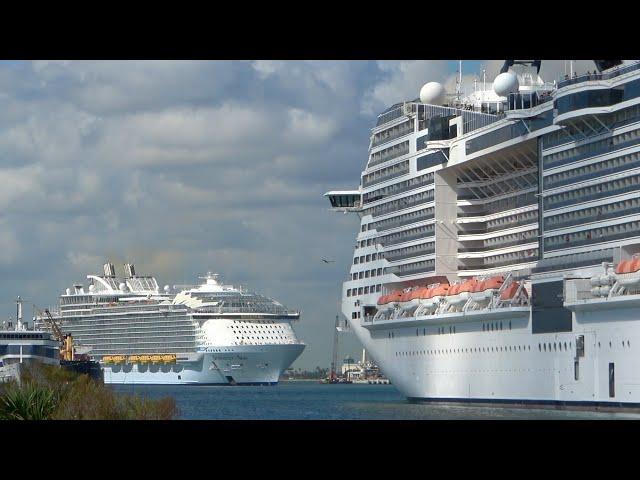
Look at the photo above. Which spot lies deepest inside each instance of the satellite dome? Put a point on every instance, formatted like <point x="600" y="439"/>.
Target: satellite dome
<point x="166" y="289"/>
<point x="68" y="291"/>
<point x="92" y="288"/>
<point x="432" y="93"/>
<point x="123" y="287"/>
<point x="505" y="83"/>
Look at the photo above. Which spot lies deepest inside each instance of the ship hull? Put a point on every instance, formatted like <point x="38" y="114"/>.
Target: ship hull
<point x="511" y="365"/>
<point x="232" y="365"/>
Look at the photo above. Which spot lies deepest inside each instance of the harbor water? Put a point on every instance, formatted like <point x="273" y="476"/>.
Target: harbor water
<point x="310" y="400"/>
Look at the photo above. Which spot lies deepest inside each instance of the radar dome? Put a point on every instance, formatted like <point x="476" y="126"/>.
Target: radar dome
<point x="166" y="289"/>
<point x="432" y="93"/>
<point x="92" y="288"/>
<point x="505" y="83"/>
<point x="68" y="291"/>
<point x="123" y="287"/>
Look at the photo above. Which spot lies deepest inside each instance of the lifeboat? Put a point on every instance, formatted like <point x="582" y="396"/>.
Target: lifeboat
<point x="107" y="359"/>
<point x="486" y="289"/>
<point x="412" y="299"/>
<point x="462" y="293"/>
<point x="144" y="358"/>
<point x="133" y="358"/>
<point x="156" y="358"/>
<point x="169" y="358"/>
<point x="435" y="295"/>
<point x="118" y="358"/>
<point x="452" y="297"/>
<point x="627" y="272"/>
<point x="509" y="293"/>
<point x="390" y="301"/>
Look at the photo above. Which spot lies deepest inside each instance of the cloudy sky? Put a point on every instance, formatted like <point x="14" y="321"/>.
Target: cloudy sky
<point x="182" y="167"/>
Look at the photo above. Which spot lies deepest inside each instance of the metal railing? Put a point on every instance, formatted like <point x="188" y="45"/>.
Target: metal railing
<point x="599" y="76"/>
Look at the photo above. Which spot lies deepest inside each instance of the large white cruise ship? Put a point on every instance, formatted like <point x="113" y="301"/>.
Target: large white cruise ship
<point x="205" y="334"/>
<point x="498" y="253"/>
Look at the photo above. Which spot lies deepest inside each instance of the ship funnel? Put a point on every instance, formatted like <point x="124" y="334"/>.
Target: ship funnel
<point x="129" y="270"/>
<point x="109" y="270"/>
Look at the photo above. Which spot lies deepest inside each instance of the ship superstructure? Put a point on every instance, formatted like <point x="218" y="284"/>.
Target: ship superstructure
<point x="203" y="334"/>
<point x="483" y="220"/>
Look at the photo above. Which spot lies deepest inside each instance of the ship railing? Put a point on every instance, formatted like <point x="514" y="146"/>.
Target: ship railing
<point x="599" y="76"/>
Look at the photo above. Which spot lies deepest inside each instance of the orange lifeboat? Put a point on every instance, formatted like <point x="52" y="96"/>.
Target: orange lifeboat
<point x="485" y="289"/>
<point x="441" y="290"/>
<point x="434" y="295"/>
<point x="383" y="300"/>
<point x="469" y="285"/>
<point x="510" y="292"/>
<point x="626" y="273"/>
<point x="622" y="267"/>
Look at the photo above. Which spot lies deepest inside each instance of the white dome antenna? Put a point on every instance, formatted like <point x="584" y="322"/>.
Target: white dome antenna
<point x="506" y="83"/>
<point x="432" y="93"/>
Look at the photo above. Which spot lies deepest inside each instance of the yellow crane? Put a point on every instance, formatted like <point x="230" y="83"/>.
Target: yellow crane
<point x="67" y="351"/>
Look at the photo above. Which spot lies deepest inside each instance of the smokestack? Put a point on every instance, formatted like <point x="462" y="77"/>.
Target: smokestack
<point x="129" y="270"/>
<point x="19" y="313"/>
<point x="109" y="270"/>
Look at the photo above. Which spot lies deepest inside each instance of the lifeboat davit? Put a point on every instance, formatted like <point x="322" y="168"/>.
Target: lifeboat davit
<point x="627" y="272"/>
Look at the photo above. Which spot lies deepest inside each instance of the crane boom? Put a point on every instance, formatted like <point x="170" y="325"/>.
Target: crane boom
<point x="51" y="323"/>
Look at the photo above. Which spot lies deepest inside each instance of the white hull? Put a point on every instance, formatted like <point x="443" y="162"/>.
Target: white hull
<point x="512" y="365"/>
<point x="255" y="364"/>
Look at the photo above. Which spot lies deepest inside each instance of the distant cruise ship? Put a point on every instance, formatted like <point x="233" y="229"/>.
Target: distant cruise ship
<point x="206" y="334"/>
<point x="498" y="253"/>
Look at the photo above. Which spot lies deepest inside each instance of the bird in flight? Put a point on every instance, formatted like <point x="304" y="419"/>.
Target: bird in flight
<point x="327" y="261"/>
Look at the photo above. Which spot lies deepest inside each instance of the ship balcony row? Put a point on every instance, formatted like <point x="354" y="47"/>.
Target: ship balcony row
<point x="600" y="213"/>
<point x="401" y="204"/>
<point x="403" y="220"/>
<point x="574" y="261"/>
<point x="387" y="154"/>
<point x="594" y="170"/>
<point x="418" y="233"/>
<point x="609" y="145"/>
<point x="412" y="268"/>
<point x="397" y="188"/>
<point x="385" y="174"/>
<point x="621" y="231"/>
<point x="393" y="133"/>
<point x="410" y="252"/>
<point x="481" y="251"/>
<point x="499" y="261"/>
<point x="496" y="232"/>
<point x="596" y="191"/>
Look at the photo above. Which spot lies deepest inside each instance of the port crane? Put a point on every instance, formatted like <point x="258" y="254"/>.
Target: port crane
<point x="67" y="349"/>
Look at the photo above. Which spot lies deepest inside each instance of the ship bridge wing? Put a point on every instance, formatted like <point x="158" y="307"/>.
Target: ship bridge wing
<point x="345" y="200"/>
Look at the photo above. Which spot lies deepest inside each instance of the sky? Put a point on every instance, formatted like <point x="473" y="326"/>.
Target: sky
<point x="184" y="167"/>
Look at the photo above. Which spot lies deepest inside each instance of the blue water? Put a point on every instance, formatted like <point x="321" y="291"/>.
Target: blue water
<point x="315" y="401"/>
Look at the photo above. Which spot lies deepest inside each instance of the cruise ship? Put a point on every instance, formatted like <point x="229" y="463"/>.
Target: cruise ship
<point x="210" y="333"/>
<point x="497" y="257"/>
